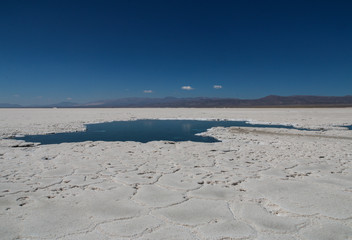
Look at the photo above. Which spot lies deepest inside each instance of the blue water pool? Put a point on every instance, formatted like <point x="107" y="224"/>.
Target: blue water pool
<point x="144" y="131"/>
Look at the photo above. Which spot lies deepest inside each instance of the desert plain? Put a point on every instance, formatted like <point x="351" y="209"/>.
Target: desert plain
<point x="257" y="183"/>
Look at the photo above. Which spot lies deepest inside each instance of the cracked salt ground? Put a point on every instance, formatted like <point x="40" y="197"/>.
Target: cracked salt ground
<point x="271" y="184"/>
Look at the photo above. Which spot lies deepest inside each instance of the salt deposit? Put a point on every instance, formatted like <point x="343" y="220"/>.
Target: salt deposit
<point x="255" y="184"/>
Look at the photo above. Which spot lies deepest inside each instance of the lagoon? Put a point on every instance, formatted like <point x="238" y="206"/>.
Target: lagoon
<point x="145" y="130"/>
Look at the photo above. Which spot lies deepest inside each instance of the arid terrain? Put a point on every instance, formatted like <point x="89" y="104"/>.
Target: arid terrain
<point x="268" y="184"/>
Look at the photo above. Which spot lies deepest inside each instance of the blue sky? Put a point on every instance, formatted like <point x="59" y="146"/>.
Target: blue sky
<point x="81" y="51"/>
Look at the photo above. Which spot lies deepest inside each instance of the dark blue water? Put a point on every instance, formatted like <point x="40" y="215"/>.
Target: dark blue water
<point x="349" y="127"/>
<point x="144" y="131"/>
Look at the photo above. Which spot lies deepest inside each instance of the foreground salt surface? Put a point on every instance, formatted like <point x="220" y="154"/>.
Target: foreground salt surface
<point x="255" y="184"/>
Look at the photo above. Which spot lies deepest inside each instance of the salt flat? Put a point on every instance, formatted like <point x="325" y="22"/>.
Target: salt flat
<point x="255" y="184"/>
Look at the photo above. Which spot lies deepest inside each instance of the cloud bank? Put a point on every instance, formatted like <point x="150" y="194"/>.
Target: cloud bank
<point x="187" y="88"/>
<point x="217" y="86"/>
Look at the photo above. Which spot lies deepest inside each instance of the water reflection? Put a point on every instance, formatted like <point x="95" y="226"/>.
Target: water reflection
<point x="186" y="127"/>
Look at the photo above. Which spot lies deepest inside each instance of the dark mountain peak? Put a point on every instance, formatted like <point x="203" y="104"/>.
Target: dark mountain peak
<point x="272" y="97"/>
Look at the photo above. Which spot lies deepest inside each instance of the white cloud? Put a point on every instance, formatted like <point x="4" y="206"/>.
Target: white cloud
<point x="148" y="91"/>
<point x="69" y="99"/>
<point x="187" y="88"/>
<point x="16" y="95"/>
<point x="217" y="86"/>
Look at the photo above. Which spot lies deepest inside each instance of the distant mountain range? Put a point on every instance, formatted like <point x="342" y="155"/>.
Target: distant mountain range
<point x="202" y="102"/>
<point x="8" y="105"/>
